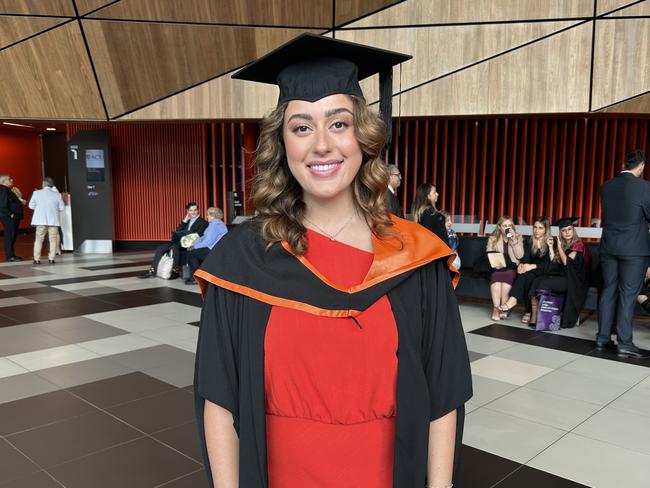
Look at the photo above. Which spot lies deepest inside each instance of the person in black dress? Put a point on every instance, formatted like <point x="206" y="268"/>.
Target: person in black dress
<point x="532" y="265"/>
<point x="425" y="213"/>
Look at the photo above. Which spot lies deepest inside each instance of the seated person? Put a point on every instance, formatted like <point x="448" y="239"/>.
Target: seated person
<point x="506" y="241"/>
<point x="191" y="223"/>
<point x="644" y="295"/>
<point x="531" y="266"/>
<point x="568" y="272"/>
<point x="201" y="247"/>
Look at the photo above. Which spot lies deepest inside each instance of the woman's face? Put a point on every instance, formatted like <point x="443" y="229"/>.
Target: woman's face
<point x="567" y="232"/>
<point x="538" y="230"/>
<point x="448" y="223"/>
<point x="433" y="196"/>
<point x="505" y="225"/>
<point x="322" y="149"/>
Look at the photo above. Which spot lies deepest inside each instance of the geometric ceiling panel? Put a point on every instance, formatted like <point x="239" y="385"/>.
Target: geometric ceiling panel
<point x="140" y="63"/>
<point x="298" y="13"/>
<point x="414" y="12"/>
<point x="637" y="105"/>
<point x="37" y="7"/>
<point x="85" y="6"/>
<point x="551" y="75"/>
<point x="440" y="50"/>
<point x="49" y="76"/>
<point x="604" y="6"/>
<point x="17" y="28"/>
<point x="221" y="98"/>
<point x="621" y="54"/>
<point x="348" y="10"/>
<point x="640" y="9"/>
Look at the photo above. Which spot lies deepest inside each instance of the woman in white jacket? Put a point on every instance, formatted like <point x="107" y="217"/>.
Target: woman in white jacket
<point x="46" y="204"/>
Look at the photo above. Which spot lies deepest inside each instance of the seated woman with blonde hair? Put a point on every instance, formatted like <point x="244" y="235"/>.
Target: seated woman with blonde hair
<point x="505" y="241"/>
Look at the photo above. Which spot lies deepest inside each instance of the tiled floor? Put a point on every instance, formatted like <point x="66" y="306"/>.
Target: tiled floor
<point x="95" y="366"/>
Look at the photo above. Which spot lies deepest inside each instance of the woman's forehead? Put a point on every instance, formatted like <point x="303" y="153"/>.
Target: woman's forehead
<point x="321" y="107"/>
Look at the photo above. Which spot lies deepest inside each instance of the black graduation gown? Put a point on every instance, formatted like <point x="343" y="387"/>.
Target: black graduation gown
<point x="242" y="279"/>
<point x="435" y="222"/>
<point x="577" y="273"/>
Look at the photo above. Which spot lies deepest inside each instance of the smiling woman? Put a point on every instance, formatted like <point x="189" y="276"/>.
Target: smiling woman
<point x="297" y="379"/>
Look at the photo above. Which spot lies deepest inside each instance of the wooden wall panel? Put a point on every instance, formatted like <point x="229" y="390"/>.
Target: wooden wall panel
<point x="637" y="105"/>
<point x="641" y="9"/>
<point x="604" y="6"/>
<point x="414" y="12"/>
<point x="140" y="63"/>
<point x="298" y="13"/>
<point x="17" y="28"/>
<point x="85" y="6"/>
<point x="542" y="77"/>
<point x="49" y="77"/>
<point x="222" y="98"/>
<point x="450" y="48"/>
<point x="37" y="7"/>
<point x="621" y="54"/>
<point x="349" y="10"/>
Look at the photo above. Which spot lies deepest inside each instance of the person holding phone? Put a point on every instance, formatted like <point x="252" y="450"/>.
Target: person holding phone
<point x="505" y="241"/>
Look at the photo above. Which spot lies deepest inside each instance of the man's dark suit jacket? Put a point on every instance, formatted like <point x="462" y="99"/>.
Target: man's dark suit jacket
<point x="392" y="203"/>
<point x="198" y="226"/>
<point x="5" y="198"/>
<point x="626" y="214"/>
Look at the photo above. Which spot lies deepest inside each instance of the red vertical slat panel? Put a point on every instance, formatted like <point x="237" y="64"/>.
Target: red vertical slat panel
<point x="415" y="159"/>
<point x="442" y="187"/>
<point x="533" y="188"/>
<point x="573" y="154"/>
<point x="602" y="164"/>
<point x="493" y="172"/>
<point x="434" y="163"/>
<point x="453" y="166"/>
<point x="405" y="167"/>
<point x="580" y="190"/>
<point x="233" y="158"/>
<point x="541" y="182"/>
<point x="511" y="188"/>
<point x="215" y="165"/>
<point x="463" y="170"/>
<point x="473" y="172"/>
<point x="425" y="155"/>
<point x="521" y="162"/>
<point x="224" y="180"/>
<point x="612" y="154"/>
<point x="483" y="185"/>
<point x="502" y="169"/>
<point x="552" y="161"/>
<point x="561" y="165"/>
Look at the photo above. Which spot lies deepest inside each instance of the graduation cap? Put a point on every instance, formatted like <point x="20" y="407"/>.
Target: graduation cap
<point x="566" y="222"/>
<point x="311" y="67"/>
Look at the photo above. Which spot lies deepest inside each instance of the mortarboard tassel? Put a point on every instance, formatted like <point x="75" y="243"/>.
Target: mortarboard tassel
<point x="386" y="102"/>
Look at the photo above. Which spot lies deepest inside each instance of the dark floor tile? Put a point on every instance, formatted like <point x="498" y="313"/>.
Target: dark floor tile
<point x="118" y="265"/>
<point x="4" y="276"/>
<point x="121" y="389"/>
<point x="40" y="312"/>
<point x="190" y="388"/>
<point x="610" y="353"/>
<point x="13" y="464"/>
<point x="183" y="438"/>
<point x="138" y="464"/>
<point x="53" y="296"/>
<point x="473" y="356"/>
<point x="39" y="410"/>
<point x="506" y="332"/>
<point x="8" y="321"/>
<point x="564" y="343"/>
<point x="36" y="480"/>
<point x="480" y="469"/>
<point x="99" y="278"/>
<point x="156" y="413"/>
<point x="534" y="478"/>
<point x="127" y="299"/>
<point x="194" y="480"/>
<point x="175" y="295"/>
<point x="72" y="438"/>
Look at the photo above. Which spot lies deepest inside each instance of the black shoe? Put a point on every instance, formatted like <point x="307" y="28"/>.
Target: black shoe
<point x="51" y="261"/>
<point x="36" y="261"/>
<point x="191" y="281"/>
<point x="148" y="274"/>
<point x="646" y="306"/>
<point x="603" y="345"/>
<point x="14" y="259"/>
<point x="631" y="352"/>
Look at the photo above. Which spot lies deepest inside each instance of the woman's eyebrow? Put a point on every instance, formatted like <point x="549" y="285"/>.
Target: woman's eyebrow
<point x="335" y="111"/>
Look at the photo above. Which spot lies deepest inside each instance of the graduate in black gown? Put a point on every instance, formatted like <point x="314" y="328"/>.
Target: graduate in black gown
<point x="425" y="212"/>
<point x="567" y="273"/>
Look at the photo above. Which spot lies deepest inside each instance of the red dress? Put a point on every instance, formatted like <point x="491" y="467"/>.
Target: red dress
<point x="330" y="386"/>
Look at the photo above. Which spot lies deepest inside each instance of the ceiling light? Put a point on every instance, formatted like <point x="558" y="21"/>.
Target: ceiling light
<point x="50" y="128"/>
<point x="18" y="125"/>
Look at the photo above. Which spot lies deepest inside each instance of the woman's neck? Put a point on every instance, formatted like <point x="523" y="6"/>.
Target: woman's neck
<point x="326" y="211"/>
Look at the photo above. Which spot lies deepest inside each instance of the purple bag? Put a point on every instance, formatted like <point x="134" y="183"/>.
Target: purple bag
<point x="549" y="310"/>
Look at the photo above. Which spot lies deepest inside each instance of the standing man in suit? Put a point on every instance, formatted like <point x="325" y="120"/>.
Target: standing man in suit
<point x="394" y="182"/>
<point x="624" y="251"/>
<point x="47" y="205"/>
<point x="191" y="223"/>
<point x="11" y="211"/>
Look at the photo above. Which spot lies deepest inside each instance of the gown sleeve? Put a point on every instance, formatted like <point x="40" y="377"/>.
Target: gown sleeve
<point x="445" y="356"/>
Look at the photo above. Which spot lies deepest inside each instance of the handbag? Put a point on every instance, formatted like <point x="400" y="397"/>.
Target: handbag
<point x="549" y="310"/>
<point x="165" y="269"/>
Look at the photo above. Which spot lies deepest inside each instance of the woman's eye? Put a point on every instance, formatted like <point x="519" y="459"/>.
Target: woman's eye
<point x="339" y="125"/>
<point x="300" y="129"/>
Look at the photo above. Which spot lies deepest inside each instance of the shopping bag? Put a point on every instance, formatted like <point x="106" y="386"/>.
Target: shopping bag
<point x="549" y="310"/>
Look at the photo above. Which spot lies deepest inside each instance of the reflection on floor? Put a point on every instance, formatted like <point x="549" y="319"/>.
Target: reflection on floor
<point x="96" y="367"/>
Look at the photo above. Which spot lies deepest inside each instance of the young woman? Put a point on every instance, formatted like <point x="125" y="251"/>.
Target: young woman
<point x="568" y="272"/>
<point x="532" y="265"/>
<point x="452" y="237"/>
<point x="425" y="213"/>
<point x="504" y="240"/>
<point x="297" y="381"/>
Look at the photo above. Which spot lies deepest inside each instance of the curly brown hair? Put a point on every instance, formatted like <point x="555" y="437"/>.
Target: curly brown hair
<point x="277" y="196"/>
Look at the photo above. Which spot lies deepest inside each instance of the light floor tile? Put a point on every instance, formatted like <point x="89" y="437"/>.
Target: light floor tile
<point x="508" y="370"/>
<point x="470" y="407"/>
<point x="173" y="311"/>
<point x="541" y="356"/>
<point x="13" y="301"/>
<point x="594" y="463"/>
<point x="591" y="390"/>
<point x="486" y="345"/>
<point x="118" y="344"/>
<point x="189" y="346"/>
<point x="544" y="408"/>
<point x="603" y="369"/>
<point x="23" y="386"/>
<point x="78" y="286"/>
<point x="487" y="390"/>
<point x="83" y="372"/>
<point x="20" y="286"/>
<point x="624" y="429"/>
<point x="50" y="358"/>
<point x="9" y="368"/>
<point x="510" y="437"/>
<point x="140" y="285"/>
<point x="636" y="400"/>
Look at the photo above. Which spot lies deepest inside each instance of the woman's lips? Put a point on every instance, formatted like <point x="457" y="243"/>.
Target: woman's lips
<point x="324" y="168"/>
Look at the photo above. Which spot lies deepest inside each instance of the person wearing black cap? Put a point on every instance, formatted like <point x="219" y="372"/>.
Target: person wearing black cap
<point x="297" y="381"/>
<point x="624" y="251"/>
